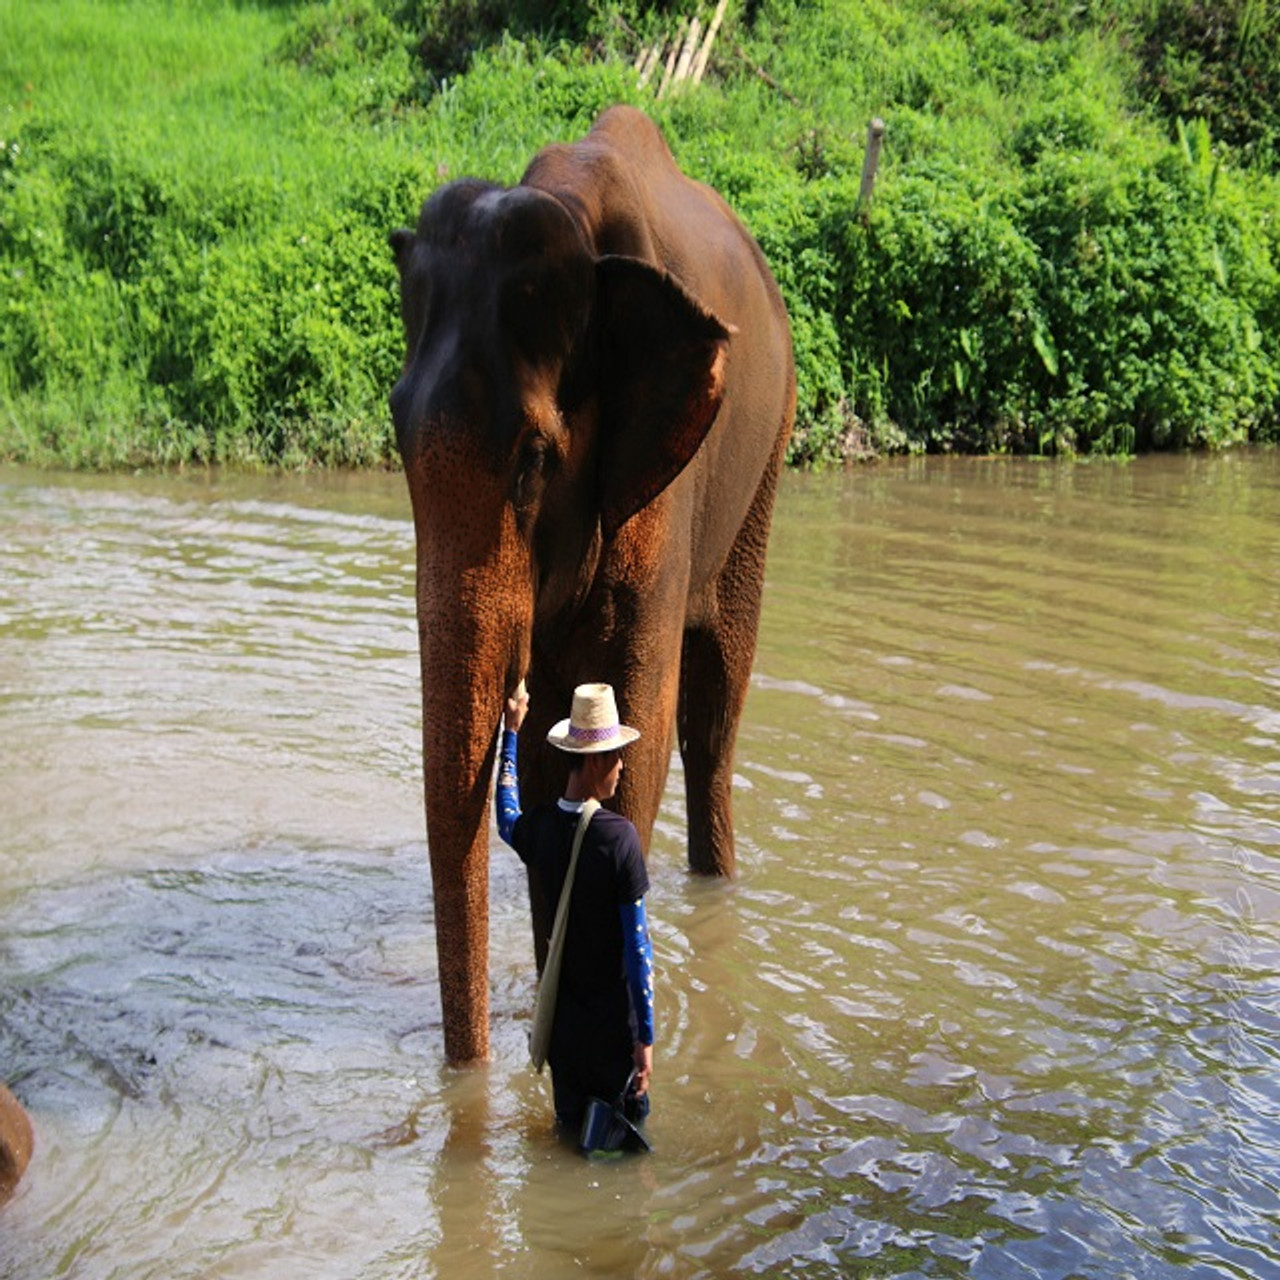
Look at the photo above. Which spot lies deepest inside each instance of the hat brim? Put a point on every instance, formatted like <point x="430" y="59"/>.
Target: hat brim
<point x="559" y="736"/>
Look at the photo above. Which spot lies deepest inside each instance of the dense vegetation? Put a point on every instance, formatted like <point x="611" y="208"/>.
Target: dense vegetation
<point x="1074" y="242"/>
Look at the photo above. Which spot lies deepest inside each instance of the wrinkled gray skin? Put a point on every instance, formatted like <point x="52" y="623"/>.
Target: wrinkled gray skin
<point x="596" y="398"/>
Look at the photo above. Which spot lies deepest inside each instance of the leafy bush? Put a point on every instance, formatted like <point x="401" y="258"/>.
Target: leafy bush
<point x="1151" y="303"/>
<point x="355" y="45"/>
<point x="131" y="291"/>
<point x="193" y="214"/>
<point x="1216" y="60"/>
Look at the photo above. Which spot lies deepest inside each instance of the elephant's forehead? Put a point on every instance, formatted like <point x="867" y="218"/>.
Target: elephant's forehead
<point x="496" y="265"/>
<point x="499" y="223"/>
<point x="500" y="292"/>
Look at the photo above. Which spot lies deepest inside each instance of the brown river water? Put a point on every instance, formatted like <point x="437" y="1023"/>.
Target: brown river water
<point x="997" y="993"/>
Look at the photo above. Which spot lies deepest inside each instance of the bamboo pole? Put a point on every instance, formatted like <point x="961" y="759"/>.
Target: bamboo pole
<point x="648" y="61"/>
<point x="686" y="54"/>
<point x="700" y="65"/>
<point x="669" y="69"/>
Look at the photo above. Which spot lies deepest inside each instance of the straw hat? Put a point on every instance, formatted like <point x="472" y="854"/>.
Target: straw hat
<point x="593" y="723"/>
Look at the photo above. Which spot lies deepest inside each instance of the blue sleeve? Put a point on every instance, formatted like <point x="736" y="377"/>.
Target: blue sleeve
<point x="508" y="790"/>
<point x="637" y="951"/>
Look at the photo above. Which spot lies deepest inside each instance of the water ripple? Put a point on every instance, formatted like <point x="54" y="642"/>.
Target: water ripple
<point x="995" y="993"/>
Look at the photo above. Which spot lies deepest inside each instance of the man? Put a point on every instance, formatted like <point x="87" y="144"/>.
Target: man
<point x="602" y="1035"/>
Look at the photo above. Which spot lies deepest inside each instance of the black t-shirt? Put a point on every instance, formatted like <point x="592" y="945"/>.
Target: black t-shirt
<point x="593" y="1008"/>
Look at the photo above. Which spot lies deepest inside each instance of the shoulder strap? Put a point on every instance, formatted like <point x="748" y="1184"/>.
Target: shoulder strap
<point x="544" y="1008"/>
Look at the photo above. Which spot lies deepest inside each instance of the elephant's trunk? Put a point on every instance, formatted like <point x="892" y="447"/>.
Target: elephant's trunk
<point x="460" y="708"/>
<point x="474" y="618"/>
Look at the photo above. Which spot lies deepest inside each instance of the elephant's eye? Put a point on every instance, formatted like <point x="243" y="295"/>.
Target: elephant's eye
<point x="531" y="467"/>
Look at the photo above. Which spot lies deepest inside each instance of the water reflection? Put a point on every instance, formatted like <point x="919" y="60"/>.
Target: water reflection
<point x="995" y="994"/>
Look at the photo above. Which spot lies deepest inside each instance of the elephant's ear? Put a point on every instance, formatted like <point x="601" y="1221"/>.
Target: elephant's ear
<point x="661" y="375"/>
<point x="401" y="242"/>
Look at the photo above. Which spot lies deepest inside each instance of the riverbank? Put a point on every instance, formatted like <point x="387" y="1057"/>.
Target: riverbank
<point x="194" y="202"/>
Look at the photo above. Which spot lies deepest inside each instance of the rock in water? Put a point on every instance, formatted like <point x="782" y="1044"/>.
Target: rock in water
<point x="16" y="1142"/>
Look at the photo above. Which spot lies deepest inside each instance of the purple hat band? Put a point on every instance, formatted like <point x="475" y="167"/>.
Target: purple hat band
<point x="583" y="730"/>
<point x="593" y="735"/>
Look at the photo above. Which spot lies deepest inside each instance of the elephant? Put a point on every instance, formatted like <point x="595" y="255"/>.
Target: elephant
<point x="592" y="415"/>
<point x="16" y="1143"/>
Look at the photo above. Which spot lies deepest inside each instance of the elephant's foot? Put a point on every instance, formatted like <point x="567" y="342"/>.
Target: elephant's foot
<point x="16" y="1143"/>
<point x="713" y="867"/>
<point x="711" y="845"/>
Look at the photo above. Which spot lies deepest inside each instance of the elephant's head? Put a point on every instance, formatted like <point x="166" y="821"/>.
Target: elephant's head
<point x="548" y="395"/>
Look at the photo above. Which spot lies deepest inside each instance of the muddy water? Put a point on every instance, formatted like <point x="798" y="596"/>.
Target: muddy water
<point x="997" y="993"/>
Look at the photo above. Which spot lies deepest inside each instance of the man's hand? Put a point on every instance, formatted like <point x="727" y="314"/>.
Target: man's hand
<point x="517" y="708"/>
<point x="644" y="1068"/>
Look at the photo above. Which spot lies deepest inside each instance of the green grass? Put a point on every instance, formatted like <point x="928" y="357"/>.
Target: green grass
<point x="194" y="236"/>
<point x="188" y="84"/>
<point x="194" y="201"/>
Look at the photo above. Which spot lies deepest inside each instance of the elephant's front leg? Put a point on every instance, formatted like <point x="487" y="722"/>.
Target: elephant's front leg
<point x="652" y="694"/>
<point x="626" y="634"/>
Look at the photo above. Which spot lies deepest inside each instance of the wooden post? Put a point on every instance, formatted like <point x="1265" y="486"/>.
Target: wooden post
<point x="871" y="161"/>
